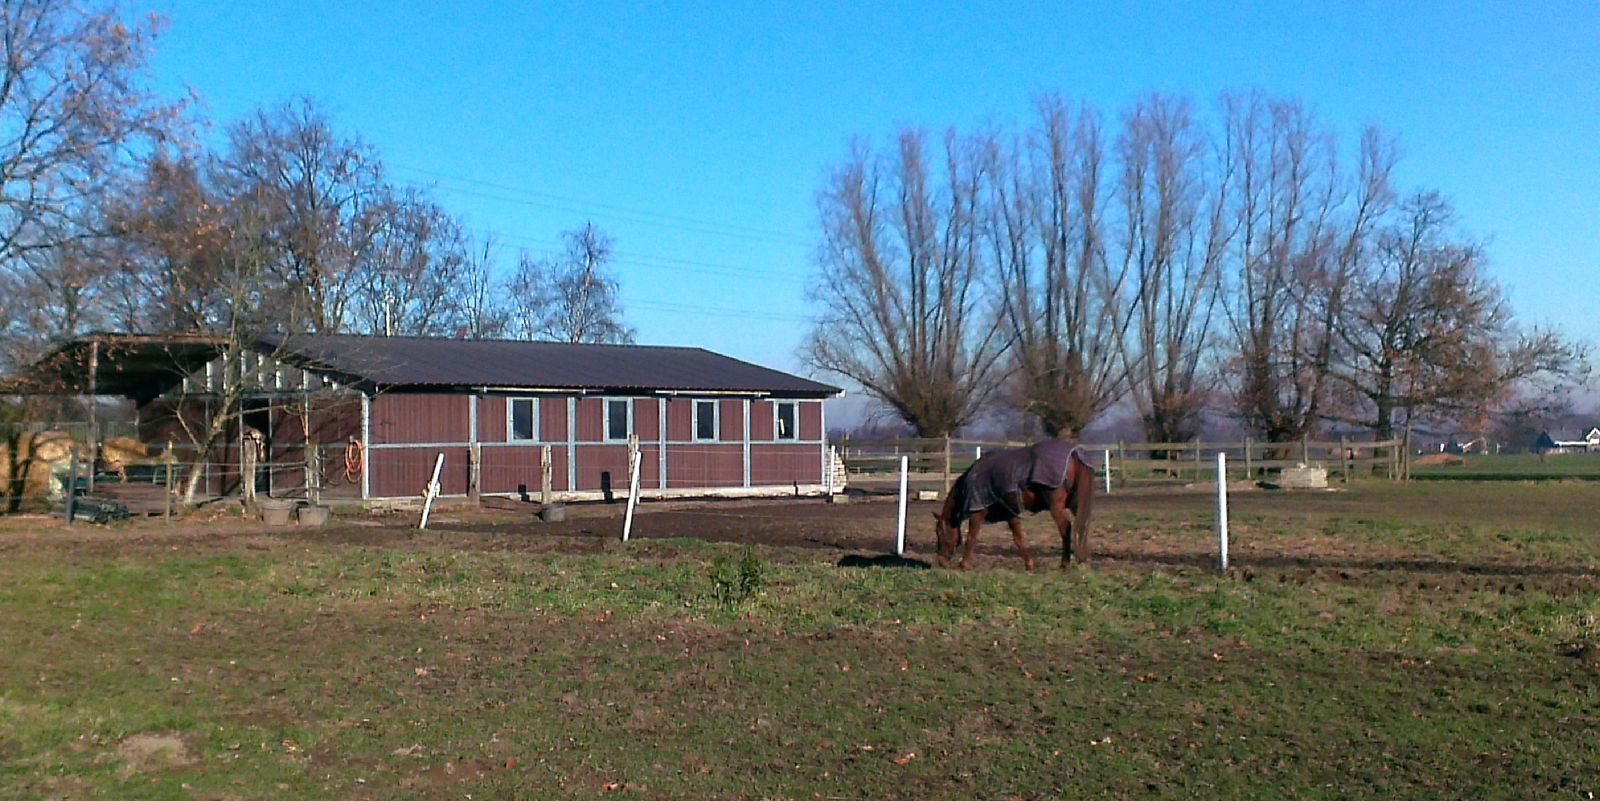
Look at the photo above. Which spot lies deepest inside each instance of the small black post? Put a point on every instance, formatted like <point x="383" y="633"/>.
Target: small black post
<point x="72" y="483"/>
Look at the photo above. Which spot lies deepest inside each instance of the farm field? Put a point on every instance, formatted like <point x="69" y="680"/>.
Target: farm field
<point x="1438" y="639"/>
<point x="1517" y="467"/>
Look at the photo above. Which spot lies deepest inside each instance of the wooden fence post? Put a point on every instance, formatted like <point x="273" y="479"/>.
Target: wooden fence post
<point x="475" y="471"/>
<point x="946" y="489"/>
<point x="1344" y="457"/>
<point x="1249" y="470"/>
<point x="1122" y="456"/>
<point x="247" y="472"/>
<point x="1197" y="467"/>
<point x="1305" y="449"/>
<point x="546" y="475"/>
<point x="71" y="500"/>
<point x="313" y="473"/>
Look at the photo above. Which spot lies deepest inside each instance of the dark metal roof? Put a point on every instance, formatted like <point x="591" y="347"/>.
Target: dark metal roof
<point x="507" y="364"/>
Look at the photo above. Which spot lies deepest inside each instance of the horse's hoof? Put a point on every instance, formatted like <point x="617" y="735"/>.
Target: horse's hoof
<point x="1029" y="565"/>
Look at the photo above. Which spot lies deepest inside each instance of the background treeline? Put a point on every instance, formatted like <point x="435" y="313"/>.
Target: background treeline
<point x="123" y="210"/>
<point x="1243" y="261"/>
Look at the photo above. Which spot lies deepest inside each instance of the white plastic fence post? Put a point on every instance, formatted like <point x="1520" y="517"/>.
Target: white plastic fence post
<point x="900" y="524"/>
<point x="1107" y="471"/>
<point x="432" y="492"/>
<point x="1222" y="508"/>
<point x="633" y="494"/>
<point x="977" y="453"/>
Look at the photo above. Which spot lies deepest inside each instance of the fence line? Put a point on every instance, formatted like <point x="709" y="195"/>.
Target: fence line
<point x="935" y="461"/>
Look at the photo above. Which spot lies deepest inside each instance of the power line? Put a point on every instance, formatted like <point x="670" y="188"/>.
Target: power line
<point x="624" y="213"/>
<point x="722" y="311"/>
<point x="666" y="262"/>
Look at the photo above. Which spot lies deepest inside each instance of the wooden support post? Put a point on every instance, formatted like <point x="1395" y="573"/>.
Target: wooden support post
<point x="1122" y="457"/>
<point x="1197" y="468"/>
<point x="1305" y="449"/>
<point x="1344" y="457"/>
<point x="1249" y="464"/>
<point x="474" y="470"/>
<point x="94" y="411"/>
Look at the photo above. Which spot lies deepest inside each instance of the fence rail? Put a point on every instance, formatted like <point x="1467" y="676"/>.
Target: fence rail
<point x="933" y="462"/>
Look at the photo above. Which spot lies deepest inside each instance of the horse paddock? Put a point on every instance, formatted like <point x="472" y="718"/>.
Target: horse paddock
<point x="1415" y="641"/>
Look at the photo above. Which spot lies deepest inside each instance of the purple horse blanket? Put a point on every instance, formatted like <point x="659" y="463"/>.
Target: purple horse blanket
<point x="999" y="477"/>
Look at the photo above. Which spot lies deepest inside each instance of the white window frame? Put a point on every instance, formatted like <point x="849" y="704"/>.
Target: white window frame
<point x="777" y="420"/>
<point x="511" y="431"/>
<point x="605" y="419"/>
<point x="716" y="421"/>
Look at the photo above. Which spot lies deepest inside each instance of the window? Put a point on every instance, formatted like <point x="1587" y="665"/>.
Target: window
<point x="787" y="423"/>
<point x="619" y="419"/>
<point x="705" y="419"/>
<point x="521" y="420"/>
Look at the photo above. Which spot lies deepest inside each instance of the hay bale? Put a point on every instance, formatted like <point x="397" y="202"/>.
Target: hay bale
<point x="1304" y="477"/>
<point x="28" y="468"/>
<point x="1440" y="460"/>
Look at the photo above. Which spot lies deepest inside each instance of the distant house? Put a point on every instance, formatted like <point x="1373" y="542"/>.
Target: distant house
<point x="1568" y="441"/>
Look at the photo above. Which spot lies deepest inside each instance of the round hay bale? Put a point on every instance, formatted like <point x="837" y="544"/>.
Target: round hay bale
<point x="1440" y="460"/>
<point x="27" y="469"/>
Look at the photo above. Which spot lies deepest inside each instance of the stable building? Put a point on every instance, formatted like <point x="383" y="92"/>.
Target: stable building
<point x="379" y="411"/>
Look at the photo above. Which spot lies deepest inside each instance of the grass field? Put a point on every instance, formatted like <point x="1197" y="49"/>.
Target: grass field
<point x="1415" y="642"/>
<point x="1518" y="467"/>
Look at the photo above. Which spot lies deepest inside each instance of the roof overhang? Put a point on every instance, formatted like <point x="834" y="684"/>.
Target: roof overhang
<point x="137" y="366"/>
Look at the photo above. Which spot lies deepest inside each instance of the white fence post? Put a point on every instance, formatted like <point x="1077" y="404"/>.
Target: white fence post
<point x="633" y="494"/>
<point x="1107" y="471"/>
<point x="1222" y="507"/>
<point x="432" y="491"/>
<point x="900" y="524"/>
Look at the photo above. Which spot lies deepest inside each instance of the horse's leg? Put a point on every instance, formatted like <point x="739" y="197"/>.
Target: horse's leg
<point x="1058" y="511"/>
<point x="1022" y="542"/>
<point x="973" y="527"/>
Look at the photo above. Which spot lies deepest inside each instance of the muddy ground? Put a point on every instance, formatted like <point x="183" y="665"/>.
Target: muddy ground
<point x="1425" y="530"/>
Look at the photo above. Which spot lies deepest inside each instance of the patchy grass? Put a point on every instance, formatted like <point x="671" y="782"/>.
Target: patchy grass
<point x="1411" y="642"/>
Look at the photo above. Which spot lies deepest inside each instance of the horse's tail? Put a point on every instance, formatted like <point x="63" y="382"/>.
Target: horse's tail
<point x="1081" y="501"/>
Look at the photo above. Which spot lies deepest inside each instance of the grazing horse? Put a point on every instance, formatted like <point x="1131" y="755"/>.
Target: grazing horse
<point x="1051" y="475"/>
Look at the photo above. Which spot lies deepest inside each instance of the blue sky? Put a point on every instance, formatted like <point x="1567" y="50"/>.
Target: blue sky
<point x="697" y="134"/>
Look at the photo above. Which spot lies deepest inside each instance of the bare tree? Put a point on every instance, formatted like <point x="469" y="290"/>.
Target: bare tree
<point x="483" y="312"/>
<point x="1062" y="298"/>
<point x="409" y="280"/>
<point x="1174" y="239"/>
<point x="905" y="310"/>
<point x="72" y="110"/>
<point x="1301" y="226"/>
<point x="321" y="195"/>
<point x="571" y="298"/>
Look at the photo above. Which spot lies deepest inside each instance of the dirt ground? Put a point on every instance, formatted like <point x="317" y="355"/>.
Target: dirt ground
<point x="1140" y="530"/>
